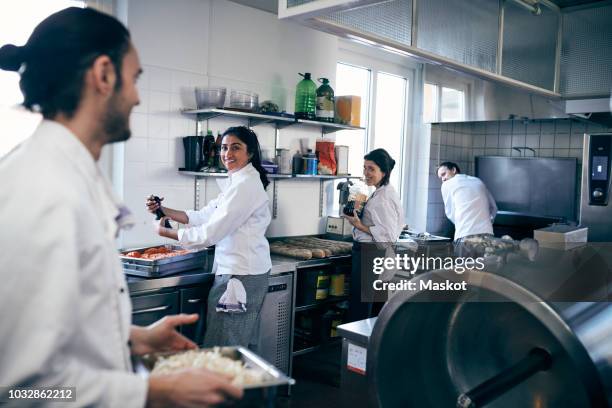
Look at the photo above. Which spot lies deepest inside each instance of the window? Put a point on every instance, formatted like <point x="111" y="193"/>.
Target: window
<point x="352" y="80"/>
<point x="442" y="104"/>
<point x="389" y="132"/>
<point x="384" y="116"/>
<point x="17" y="21"/>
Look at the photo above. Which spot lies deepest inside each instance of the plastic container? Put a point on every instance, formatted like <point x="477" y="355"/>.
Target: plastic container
<point x="312" y="285"/>
<point x="210" y="97"/>
<point x="306" y="98"/>
<point x="296" y="166"/>
<point x="322" y="285"/>
<point x="310" y="163"/>
<point x="336" y="287"/>
<point x="325" y="102"/>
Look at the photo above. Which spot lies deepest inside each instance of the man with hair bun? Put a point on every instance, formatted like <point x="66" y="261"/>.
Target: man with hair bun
<point x="66" y="311"/>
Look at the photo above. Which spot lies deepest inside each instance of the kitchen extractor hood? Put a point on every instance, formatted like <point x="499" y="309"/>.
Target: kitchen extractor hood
<point x="595" y="110"/>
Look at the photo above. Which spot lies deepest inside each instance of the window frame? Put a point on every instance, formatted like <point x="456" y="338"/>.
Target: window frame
<point x="384" y="62"/>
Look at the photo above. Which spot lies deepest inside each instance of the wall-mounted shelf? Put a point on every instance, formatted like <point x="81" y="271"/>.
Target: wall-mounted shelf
<point x="259" y="118"/>
<point x="197" y="175"/>
<point x="279" y="122"/>
<point x="202" y="174"/>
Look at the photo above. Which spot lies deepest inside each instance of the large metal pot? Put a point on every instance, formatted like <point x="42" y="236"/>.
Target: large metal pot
<point x="426" y="352"/>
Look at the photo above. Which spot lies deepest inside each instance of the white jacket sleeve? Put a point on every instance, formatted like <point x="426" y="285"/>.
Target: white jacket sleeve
<point x="199" y="217"/>
<point x="233" y="210"/>
<point x="40" y="320"/>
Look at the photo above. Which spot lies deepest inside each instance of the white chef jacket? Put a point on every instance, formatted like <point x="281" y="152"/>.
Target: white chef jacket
<point x="235" y="222"/>
<point x="469" y="205"/>
<point x="66" y="311"/>
<point x="383" y="214"/>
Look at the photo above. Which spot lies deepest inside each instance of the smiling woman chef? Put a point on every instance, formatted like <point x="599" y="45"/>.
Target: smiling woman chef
<point x="379" y="226"/>
<point x="235" y="222"/>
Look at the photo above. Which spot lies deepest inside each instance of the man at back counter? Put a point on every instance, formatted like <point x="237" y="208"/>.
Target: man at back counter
<point x="467" y="202"/>
<point x="64" y="300"/>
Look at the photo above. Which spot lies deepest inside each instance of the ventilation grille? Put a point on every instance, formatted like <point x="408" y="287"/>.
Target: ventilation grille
<point x="282" y="334"/>
<point x="391" y="20"/>
<point x="295" y="3"/>
<point x="586" y="57"/>
<point x="530" y="45"/>
<point x="463" y="31"/>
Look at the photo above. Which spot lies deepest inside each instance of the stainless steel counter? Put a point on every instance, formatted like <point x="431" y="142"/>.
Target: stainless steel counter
<point x="193" y="277"/>
<point x="280" y="264"/>
<point x="359" y="331"/>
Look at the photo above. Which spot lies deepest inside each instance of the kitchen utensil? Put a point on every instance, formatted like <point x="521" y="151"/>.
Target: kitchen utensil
<point x="154" y="268"/>
<point x="210" y="97"/>
<point x="159" y="213"/>
<point x="245" y="100"/>
<point x="260" y="395"/>
<point x="193" y="152"/>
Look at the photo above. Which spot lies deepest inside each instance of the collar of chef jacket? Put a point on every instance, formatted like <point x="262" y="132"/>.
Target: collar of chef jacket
<point x="237" y="176"/>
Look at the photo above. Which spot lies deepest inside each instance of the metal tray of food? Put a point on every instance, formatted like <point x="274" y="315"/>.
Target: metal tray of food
<point x="256" y="394"/>
<point x="193" y="259"/>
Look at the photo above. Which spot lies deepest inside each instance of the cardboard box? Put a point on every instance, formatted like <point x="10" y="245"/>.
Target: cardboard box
<point x="561" y="236"/>
<point x="348" y="109"/>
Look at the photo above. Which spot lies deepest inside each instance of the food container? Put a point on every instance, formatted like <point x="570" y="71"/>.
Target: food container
<point x="283" y="159"/>
<point x="348" y="110"/>
<point x="210" y="97"/>
<point x="244" y="100"/>
<point x="561" y="236"/>
<point x="342" y="159"/>
<point x="255" y="395"/>
<point x="150" y="268"/>
<point x="270" y="168"/>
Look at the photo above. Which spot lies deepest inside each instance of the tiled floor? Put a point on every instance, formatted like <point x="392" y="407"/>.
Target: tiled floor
<point x="317" y="378"/>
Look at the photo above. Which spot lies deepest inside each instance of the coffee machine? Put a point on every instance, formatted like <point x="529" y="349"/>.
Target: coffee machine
<point x="595" y="200"/>
<point x="338" y="227"/>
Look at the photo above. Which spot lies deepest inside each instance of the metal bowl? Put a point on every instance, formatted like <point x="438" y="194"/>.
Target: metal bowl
<point x="244" y="100"/>
<point x="210" y="97"/>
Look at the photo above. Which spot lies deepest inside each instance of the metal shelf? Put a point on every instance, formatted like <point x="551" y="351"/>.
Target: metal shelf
<point x="259" y="118"/>
<point x="328" y="127"/>
<point x="332" y="300"/>
<point x="317" y="347"/>
<point x="201" y="174"/>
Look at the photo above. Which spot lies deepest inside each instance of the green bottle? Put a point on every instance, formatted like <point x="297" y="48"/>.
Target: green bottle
<point x="306" y="98"/>
<point x="325" y="101"/>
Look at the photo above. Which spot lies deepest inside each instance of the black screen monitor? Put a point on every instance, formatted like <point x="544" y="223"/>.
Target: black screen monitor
<point x="542" y="187"/>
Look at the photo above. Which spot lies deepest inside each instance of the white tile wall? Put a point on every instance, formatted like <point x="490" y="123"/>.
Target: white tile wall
<point x="198" y="43"/>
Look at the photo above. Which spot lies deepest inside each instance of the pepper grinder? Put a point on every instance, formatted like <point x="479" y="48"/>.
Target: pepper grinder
<point x="159" y="213"/>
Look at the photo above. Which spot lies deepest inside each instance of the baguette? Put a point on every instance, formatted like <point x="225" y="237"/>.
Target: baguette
<point x="321" y="252"/>
<point x="293" y="252"/>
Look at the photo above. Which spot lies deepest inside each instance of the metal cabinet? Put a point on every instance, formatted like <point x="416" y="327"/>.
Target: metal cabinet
<point x="147" y="309"/>
<point x="194" y="300"/>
